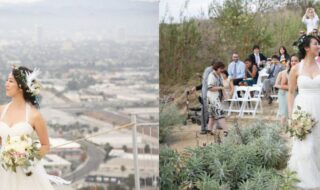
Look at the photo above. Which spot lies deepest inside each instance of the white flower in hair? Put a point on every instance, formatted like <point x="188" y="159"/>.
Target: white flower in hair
<point x="33" y="82"/>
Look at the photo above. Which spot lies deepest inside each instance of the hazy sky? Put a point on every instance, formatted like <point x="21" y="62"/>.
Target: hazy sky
<point x="195" y="7"/>
<point x="67" y="18"/>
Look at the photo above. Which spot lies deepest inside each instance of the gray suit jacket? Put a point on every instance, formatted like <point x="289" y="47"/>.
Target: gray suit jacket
<point x="277" y="69"/>
<point x="204" y="88"/>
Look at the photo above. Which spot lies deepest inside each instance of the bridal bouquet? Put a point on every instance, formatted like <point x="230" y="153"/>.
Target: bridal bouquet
<point x="19" y="151"/>
<point x="300" y="124"/>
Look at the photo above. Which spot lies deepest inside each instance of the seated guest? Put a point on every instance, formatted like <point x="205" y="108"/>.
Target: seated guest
<point x="252" y="73"/>
<point x="228" y="85"/>
<point x="256" y="57"/>
<point x="236" y="69"/>
<point x="273" y="72"/>
<point x="283" y="53"/>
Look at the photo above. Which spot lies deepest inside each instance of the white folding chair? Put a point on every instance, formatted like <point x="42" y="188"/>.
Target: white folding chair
<point x="261" y="78"/>
<point x="253" y="100"/>
<point x="274" y="93"/>
<point x="237" y="102"/>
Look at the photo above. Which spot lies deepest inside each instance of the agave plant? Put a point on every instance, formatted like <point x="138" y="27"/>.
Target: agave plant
<point x="253" y="164"/>
<point x="206" y="182"/>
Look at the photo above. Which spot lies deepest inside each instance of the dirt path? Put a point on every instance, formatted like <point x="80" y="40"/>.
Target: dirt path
<point x="189" y="135"/>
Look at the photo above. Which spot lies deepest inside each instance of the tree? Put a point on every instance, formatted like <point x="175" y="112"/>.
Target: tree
<point x="116" y="187"/>
<point x="107" y="148"/>
<point x="92" y="188"/>
<point x="147" y="149"/>
<point x="189" y="46"/>
<point x="179" y="44"/>
<point x="130" y="181"/>
<point x="123" y="168"/>
<point x="95" y="129"/>
<point x="125" y="148"/>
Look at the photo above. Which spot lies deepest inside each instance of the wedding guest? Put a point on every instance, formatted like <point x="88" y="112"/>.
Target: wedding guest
<point x="236" y="69"/>
<point x="256" y="57"/>
<point x="282" y="85"/>
<point x="310" y="19"/>
<point x="252" y="73"/>
<point x="314" y="32"/>
<point x="283" y="53"/>
<point x="228" y="84"/>
<point x="204" y="88"/>
<point x="273" y="72"/>
<point x="215" y="98"/>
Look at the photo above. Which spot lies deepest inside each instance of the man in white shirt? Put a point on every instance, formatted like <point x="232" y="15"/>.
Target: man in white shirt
<point x="236" y="69"/>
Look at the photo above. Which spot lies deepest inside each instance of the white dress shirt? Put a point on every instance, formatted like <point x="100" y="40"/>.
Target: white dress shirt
<point x="240" y="70"/>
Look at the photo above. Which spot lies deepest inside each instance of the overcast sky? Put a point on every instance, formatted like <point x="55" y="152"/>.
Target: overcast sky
<point x="195" y="7"/>
<point x="70" y="18"/>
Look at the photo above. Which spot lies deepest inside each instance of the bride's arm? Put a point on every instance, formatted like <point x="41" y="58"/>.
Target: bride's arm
<point x="292" y="87"/>
<point x="277" y="83"/>
<point x="42" y="132"/>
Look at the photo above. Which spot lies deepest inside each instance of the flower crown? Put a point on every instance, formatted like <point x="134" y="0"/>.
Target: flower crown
<point x="30" y="80"/>
<point x="300" y="41"/>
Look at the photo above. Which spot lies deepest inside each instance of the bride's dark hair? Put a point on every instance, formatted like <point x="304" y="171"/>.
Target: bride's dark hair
<point x="303" y="42"/>
<point x="20" y="76"/>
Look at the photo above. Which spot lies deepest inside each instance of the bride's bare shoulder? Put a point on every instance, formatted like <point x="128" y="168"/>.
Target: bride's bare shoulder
<point x="35" y="113"/>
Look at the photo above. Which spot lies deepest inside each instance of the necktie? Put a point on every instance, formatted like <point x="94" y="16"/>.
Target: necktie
<point x="271" y="74"/>
<point x="235" y="70"/>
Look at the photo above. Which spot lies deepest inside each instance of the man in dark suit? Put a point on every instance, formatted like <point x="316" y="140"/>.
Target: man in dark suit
<point x="256" y="57"/>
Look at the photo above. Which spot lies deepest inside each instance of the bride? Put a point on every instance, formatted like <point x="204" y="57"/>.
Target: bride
<point x="305" y="154"/>
<point x="20" y="117"/>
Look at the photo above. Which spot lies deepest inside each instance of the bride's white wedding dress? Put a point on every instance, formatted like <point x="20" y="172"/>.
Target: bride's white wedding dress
<point x="39" y="180"/>
<point x="305" y="154"/>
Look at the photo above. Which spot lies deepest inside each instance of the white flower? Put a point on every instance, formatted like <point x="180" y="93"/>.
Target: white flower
<point x="32" y="81"/>
<point x="15" y="139"/>
<point x="8" y="147"/>
<point x="295" y="116"/>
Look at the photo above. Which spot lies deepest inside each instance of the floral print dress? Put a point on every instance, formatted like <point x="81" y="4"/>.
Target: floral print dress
<point x="214" y="99"/>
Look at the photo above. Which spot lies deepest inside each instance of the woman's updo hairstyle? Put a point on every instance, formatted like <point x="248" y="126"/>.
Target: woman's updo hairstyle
<point x="303" y="42"/>
<point x="20" y="75"/>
